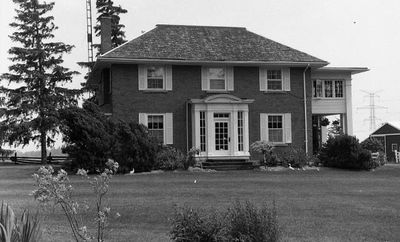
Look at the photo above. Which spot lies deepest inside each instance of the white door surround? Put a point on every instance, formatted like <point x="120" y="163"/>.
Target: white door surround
<point x="220" y="127"/>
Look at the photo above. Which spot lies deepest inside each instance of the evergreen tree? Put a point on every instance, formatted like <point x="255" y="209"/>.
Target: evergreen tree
<point x="33" y="101"/>
<point x="108" y="9"/>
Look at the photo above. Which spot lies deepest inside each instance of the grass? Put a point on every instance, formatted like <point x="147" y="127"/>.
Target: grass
<point x="329" y="205"/>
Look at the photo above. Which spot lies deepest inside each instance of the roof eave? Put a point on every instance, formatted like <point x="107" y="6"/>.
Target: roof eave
<point x="313" y="64"/>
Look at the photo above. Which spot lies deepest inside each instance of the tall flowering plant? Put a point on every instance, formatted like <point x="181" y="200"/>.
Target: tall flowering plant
<point x="55" y="189"/>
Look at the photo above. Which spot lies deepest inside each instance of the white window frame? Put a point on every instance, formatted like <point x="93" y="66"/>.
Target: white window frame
<point x="209" y="79"/>
<point x="283" y="128"/>
<point x="164" y="122"/>
<point x="163" y="77"/>
<point x="281" y="80"/>
<point x="322" y="81"/>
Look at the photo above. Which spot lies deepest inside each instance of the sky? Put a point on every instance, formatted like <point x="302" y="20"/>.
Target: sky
<point x="350" y="33"/>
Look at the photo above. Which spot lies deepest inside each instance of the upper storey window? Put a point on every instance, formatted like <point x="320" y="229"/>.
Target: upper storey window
<point x="328" y="88"/>
<point x="217" y="79"/>
<point x="155" y="77"/>
<point x="274" y="79"/>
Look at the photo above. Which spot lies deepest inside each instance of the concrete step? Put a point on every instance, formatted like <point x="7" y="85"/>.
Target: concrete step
<point x="226" y="165"/>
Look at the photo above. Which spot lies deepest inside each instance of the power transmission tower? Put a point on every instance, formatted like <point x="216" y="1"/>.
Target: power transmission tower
<point x="89" y="29"/>
<point x="372" y="109"/>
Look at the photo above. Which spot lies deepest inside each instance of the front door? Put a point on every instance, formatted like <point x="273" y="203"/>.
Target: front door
<point x="222" y="137"/>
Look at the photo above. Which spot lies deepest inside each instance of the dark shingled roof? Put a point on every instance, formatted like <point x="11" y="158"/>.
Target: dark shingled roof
<point x="207" y="43"/>
<point x="386" y="129"/>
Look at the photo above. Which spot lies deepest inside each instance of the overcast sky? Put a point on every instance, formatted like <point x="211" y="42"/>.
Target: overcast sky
<point x="353" y="33"/>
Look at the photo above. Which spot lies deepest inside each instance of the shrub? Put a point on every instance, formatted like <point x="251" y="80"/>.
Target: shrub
<point x="195" y="225"/>
<point x="265" y="149"/>
<point x="169" y="158"/>
<point x="245" y="222"/>
<point x="92" y="138"/>
<point x="132" y="147"/>
<point x="344" y="151"/>
<point x="295" y="157"/>
<point x="373" y="145"/>
<point x="191" y="157"/>
<point x="241" y="222"/>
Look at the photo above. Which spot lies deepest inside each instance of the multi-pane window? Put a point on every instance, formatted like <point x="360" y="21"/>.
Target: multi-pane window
<point x="274" y="79"/>
<point x="328" y="88"/>
<point x="216" y="77"/>
<point x="155" y="125"/>
<point x="317" y="88"/>
<point x="275" y="128"/>
<point x="155" y="77"/>
<point x="240" y="131"/>
<point x="202" y="131"/>
<point x="338" y="88"/>
<point x="394" y="147"/>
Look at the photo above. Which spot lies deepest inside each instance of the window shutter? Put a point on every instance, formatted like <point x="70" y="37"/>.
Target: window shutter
<point x="288" y="127"/>
<point x="168" y="78"/>
<point x="230" y="78"/>
<point x="286" y="79"/>
<point x="143" y="119"/>
<point x="263" y="126"/>
<point x="142" y="76"/>
<point x="169" y="129"/>
<point x="204" y="78"/>
<point x="263" y="78"/>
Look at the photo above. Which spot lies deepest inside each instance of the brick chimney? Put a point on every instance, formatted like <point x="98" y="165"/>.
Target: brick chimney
<point x="105" y="28"/>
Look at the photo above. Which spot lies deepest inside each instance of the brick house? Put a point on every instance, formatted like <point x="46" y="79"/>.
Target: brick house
<point x="220" y="89"/>
<point x="389" y="135"/>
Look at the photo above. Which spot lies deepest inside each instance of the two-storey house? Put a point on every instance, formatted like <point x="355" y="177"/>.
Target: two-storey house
<point x="220" y="89"/>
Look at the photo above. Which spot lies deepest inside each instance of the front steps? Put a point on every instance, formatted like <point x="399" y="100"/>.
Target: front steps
<point x="227" y="165"/>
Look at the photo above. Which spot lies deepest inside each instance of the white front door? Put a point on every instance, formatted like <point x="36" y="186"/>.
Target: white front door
<point x="222" y="134"/>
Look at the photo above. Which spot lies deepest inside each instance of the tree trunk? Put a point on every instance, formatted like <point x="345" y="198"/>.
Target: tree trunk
<point x="43" y="146"/>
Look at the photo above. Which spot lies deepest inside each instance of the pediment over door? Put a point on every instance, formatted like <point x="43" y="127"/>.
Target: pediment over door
<point x="222" y="98"/>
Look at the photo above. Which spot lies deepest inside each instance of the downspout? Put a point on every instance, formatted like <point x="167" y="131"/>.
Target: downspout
<point x="187" y="126"/>
<point x="305" y="109"/>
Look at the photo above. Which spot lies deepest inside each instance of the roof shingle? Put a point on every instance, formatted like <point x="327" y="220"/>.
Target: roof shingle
<point x="207" y="43"/>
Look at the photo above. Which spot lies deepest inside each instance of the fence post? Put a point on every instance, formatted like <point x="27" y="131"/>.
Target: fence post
<point x="15" y="158"/>
<point x="49" y="158"/>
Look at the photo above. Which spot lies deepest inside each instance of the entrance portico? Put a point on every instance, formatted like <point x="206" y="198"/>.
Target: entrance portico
<point x="220" y="127"/>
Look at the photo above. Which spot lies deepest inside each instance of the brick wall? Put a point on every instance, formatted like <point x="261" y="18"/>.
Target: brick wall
<point x="128" y="101"/>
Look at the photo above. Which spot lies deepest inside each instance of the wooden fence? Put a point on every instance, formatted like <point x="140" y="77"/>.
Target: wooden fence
<point x="30" y="160"/>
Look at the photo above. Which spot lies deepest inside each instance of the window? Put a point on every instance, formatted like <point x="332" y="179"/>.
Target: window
<point x="155" y="125"/>
<point x="317" y="88"/>
<point x="202" y="131"/>
<point x="274" y="80"/>
<point x="394" y="147"/>
<point x="328" y="89"/>
<point x="155" y="77"/>
<point x="275" y="128"/>
<point x="338" y="88"/>
<point x="240" y="131"/>
<point x="216" y="77"/>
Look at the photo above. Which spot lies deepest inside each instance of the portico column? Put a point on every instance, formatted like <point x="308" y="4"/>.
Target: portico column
<point x="349" y="112"/>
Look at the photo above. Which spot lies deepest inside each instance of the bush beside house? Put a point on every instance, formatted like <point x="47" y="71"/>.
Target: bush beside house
<point x="345" y="151"/>
<point x="92" y="138"/>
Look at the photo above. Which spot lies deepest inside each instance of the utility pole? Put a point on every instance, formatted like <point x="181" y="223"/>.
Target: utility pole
<point x="372" y="109"/>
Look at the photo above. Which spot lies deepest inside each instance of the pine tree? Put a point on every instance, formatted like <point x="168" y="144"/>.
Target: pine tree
<point x="38" y="77"/>
<point x="108" y="9"/>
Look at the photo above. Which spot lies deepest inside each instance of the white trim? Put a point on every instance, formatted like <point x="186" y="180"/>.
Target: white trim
<point x="382" y="135"/>
<point x="286" y="128"/>
<point x="228" y="78"/>
<point x="199" y="62"/>
<point x="143" y="79"/>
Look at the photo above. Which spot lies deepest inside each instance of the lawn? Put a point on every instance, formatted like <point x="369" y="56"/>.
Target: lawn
<point x="326" y="205"/>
